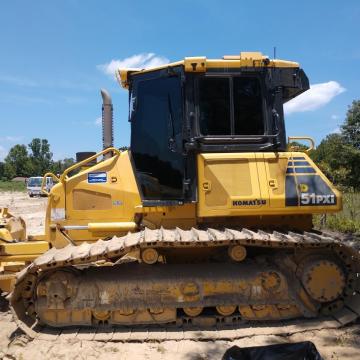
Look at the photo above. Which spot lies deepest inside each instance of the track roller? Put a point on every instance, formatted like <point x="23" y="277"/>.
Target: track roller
<point x="237" y="252"/>
<point x="101" y="315"/>
<point x="149" y="256"/>
<point x="226" y="310"/>
<point x="193" y="311"/>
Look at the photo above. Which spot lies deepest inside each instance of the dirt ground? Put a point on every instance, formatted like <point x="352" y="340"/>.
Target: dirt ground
<point x="32" y="210"/>
<point x="332" y="344"/>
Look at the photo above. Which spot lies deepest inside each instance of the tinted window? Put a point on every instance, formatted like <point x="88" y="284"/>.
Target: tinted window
<point x="248" y="112"/>
<point x="156" y="138"/>
<point x="214" y="106"/>
<point x="216" y="117"/>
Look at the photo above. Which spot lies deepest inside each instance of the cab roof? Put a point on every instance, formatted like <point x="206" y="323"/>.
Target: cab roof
<point x="201" y="64"/>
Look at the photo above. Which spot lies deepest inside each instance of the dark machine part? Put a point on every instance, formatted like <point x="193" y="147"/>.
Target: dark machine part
<point x="80" y="156"/>
<point x="107" y="129"/>
<point x="107" y="121"/>
<point x="305" y="350"/>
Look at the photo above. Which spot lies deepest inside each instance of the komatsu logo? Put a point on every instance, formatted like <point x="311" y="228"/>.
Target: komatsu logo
<point x="313" y="199"/>
<point x="255" y="202"/>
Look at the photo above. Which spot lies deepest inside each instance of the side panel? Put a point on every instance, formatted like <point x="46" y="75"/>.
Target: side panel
<point x="307" y="187"/>
<point x="275" y="166"/>
<point x="245" y="184"/>
<point x="229" y="184"/>
<point x="106" y="192"/>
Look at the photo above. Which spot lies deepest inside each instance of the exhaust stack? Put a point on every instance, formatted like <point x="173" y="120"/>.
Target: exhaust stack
<point x="107" y="121"/>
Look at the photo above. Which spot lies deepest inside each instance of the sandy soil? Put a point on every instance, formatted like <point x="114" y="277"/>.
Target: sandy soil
<point x="32" y="210"/>
<point x="332" y="344"/>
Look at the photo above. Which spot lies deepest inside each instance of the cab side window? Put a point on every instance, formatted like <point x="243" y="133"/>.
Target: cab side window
<point x="230" y="106"/>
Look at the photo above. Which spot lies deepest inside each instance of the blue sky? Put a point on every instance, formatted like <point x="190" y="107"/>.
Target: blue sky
<point x="55" y="56"/>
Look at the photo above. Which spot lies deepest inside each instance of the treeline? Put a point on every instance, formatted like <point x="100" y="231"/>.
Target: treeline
<point x="338" y="155"/>
<point x="35" y="159"/>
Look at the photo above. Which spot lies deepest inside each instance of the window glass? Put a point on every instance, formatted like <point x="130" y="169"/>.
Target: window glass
<point x="214" y="105"/>
<point x="156" y="138"/>
<point x="34" y="181"/>
<point x="248" y="113"/>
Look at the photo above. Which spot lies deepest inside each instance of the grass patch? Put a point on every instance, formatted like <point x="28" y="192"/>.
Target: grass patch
<point x="12" y="186"/>
<point x="348" y="220"/>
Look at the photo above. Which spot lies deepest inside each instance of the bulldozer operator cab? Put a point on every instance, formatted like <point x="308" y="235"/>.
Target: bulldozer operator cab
<point x="204" y="106"/>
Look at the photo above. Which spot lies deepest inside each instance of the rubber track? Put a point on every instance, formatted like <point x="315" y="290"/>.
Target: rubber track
<point x="87" y="254"/>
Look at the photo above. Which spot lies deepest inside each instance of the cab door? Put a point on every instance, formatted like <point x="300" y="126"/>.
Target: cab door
<point x="156" y="135"/>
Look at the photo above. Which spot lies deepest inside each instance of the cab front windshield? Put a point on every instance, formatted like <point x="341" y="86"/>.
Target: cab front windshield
<point x="35" y="182"/>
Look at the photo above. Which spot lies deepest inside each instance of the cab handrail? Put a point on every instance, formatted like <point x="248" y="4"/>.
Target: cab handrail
<point x="307" y="138"/>
<point x="64" y="176"/>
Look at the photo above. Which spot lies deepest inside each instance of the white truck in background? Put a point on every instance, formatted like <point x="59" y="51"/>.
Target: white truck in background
<point x="33" y="185"/>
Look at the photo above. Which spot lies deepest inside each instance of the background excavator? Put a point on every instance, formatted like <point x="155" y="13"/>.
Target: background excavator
<point x="206" y="220"/>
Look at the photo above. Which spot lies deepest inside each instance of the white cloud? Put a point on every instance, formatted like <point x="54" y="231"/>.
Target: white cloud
<point x="98" y="121"/>
<point x="335" y="117"/>
<point x="3" y="153"/>
<point x="316" y="97"/>
<point x="141" y="61"/>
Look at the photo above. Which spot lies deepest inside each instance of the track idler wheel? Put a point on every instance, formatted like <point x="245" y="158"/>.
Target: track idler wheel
<point x="324" y="280"/>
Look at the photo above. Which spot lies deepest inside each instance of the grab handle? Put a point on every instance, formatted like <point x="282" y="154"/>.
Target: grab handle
<point x="43" y="183"/>
<point x="307" y="138"/>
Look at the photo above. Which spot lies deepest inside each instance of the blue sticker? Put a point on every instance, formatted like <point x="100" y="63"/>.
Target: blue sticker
<point x="98" y="177"/>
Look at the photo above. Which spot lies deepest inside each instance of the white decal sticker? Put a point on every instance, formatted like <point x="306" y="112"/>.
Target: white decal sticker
<point x="97" y="177"/>
<point x="307" y="199"/>
<point x="57" y="214"/>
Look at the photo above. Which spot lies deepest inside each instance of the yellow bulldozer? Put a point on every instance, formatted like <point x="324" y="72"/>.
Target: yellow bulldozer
<point x="206" y="219"/>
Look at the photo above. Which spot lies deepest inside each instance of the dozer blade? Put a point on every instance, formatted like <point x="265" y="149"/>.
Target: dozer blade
<point x="293" y="281"/>
<point x="16" y="251"/>
<point x="11" y="228"/>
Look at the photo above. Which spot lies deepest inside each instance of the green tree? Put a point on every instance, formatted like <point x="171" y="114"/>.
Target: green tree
<point x="17" y="162"/>
<point x="9" y="171"/>
<point x="2" y="170"/>
<point x="339" y="160"/>
<point x="338" y="155"/>
<point x="35" y="162"/>
<point x="351" y="127"/>
<point x="59" y="166"/>
<point x="297" y="146"/>
<point x="41" y="156"/>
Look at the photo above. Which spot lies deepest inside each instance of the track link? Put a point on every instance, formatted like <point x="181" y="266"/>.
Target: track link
<point x="223" y="327"/>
